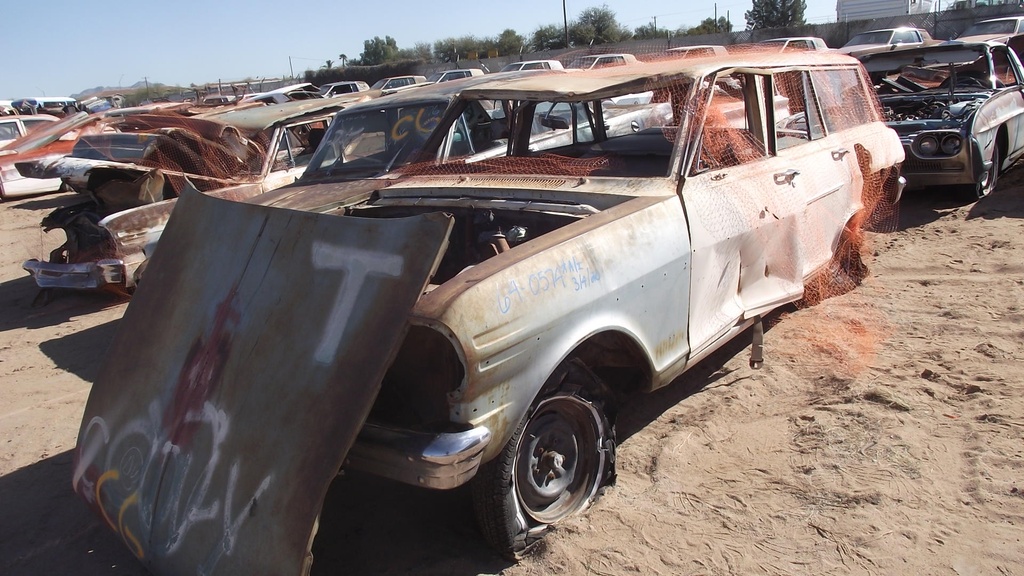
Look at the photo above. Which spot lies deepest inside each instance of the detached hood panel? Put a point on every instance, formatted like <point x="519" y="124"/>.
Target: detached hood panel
<point x="73" y="169"/>
<point x="240" y="375"/>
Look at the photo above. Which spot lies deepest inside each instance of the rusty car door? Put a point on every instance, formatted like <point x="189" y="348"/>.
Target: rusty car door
<point x="744" y="209"/>
<point x="241" y="373"/>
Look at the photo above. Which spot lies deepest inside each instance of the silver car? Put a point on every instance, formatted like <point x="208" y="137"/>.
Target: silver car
<point x="959" y="111"/>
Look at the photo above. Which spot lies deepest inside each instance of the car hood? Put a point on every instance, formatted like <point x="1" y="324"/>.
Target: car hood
<point x="239" y="377"/>
<point x="73" y="169"/>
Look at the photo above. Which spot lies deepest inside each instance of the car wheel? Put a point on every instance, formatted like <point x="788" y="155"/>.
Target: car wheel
<point x="553" y="466"/>
<point x="988" y="181"/>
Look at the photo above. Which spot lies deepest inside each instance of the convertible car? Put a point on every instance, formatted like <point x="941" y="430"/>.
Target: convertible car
<point x="959" y="111"/>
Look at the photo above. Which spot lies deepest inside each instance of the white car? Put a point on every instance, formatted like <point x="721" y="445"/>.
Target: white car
<point x="993" y="30"/>
<point x="469" y="320"/>
<point x="796" y="43"/>
<point x="392" y="83"/>
<point x="14" y="127"/>
<point x="347" y="87"/>
<point x="448" y="75"/>
<point x="44" y="141"/>
<point x="886" y="39"/>
<point x="602" y="61"/>
<point x="304" y="91"/>
<point x="532" y="65"/>
<point x="697" y="51"/>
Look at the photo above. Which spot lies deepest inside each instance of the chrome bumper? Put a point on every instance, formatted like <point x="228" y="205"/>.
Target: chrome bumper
<point x="443" y="460"/>
<point x="82" y="276"/>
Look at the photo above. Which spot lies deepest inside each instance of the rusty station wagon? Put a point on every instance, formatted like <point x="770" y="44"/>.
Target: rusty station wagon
<point x="472" y="318"/>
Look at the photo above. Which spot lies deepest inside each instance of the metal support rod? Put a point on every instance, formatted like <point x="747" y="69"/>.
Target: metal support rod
<point x="757" y="345"/>
<point x="565" y="21"/>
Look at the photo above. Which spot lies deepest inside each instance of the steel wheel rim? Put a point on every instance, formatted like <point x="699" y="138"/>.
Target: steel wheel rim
<point x="559" y="458"/>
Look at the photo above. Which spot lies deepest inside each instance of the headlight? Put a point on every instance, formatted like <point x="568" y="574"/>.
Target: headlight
<point x="951" y="144"/>
<point x="928" y="145"/>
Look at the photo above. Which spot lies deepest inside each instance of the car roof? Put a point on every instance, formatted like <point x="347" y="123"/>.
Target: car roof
<point x="791" y="38"/>
<point x="584" y="85"/>
<point x="694" y="46"/>
<point x="263" y="117"/>
<point x="1000" y="19"/>
<point x="444" y="91"/>
<point x="625" y="54"/>
<point x="893" y="29"/>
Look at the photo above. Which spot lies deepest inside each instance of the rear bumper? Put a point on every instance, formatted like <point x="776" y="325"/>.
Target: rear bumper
<point x="433" y="460"/>
<point x="81" y="276"/>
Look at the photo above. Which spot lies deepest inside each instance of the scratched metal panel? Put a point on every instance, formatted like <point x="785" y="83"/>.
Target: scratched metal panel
<point x="239" y="377"/>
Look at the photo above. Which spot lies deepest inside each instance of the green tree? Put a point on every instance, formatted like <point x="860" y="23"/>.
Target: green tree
<point x="548" y="37"/>
<point x="775" y="14"/>
<point x="597" y="26"/>
<point x="344" y="59"/>
<point x="649" y="32"/>
<point x="420" y="51"/>
<point x="508" y="43"/>
<point x="378" y="51"/>
<point x="455" y="49"/>
<point x="710" y="26"/>
<point x="329" y="64"/>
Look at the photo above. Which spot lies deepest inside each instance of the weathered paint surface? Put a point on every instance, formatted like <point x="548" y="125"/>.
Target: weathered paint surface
<point x="222" y="414"/>
<point x="136" y="231"/>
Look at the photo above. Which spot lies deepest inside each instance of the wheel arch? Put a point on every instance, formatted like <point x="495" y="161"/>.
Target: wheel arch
<point x="613" y="355"/>
<point x="1003" y="142"/>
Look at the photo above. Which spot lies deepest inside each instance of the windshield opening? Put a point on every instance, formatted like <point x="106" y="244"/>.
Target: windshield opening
<point x="371" y="141"/>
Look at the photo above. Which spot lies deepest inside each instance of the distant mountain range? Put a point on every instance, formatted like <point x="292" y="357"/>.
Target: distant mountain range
<point x="112" y="89"/>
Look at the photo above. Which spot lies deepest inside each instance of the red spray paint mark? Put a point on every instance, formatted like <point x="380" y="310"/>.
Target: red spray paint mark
<point x="201" y="373"/>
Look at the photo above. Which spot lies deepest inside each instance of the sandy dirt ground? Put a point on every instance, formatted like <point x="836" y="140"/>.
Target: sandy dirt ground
<point x="883" y="435"/>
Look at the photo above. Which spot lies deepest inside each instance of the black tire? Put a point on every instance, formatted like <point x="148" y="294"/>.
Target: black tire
<point x="562" y="453"/>
<point x="979" y="190"/>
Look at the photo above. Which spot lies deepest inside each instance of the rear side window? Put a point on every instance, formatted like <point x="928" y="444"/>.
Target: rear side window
<point x="1003" y="68"/>
<point x="906" y="37"/>
<point x="843" y="98"/>
<point x="9" y="131"/>
<point x="798" y="46"/>
<point x="797" y="118"/>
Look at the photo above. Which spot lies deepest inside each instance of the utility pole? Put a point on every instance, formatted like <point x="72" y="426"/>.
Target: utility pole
<point x="565" y="21"/>
<point x="146" y="78"/>
<point x="655" y="25"/>
<point x="290" y="69"/>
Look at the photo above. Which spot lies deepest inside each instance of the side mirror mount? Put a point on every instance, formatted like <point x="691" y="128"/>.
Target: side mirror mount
<point x="554" y="122"/>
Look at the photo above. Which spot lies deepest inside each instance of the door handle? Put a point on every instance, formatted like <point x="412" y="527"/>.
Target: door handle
<point x="839" y="154"/>
<point x="786" y="177"/>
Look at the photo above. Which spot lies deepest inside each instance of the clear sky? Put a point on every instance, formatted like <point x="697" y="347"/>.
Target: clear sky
<point x="72" y="46"/>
